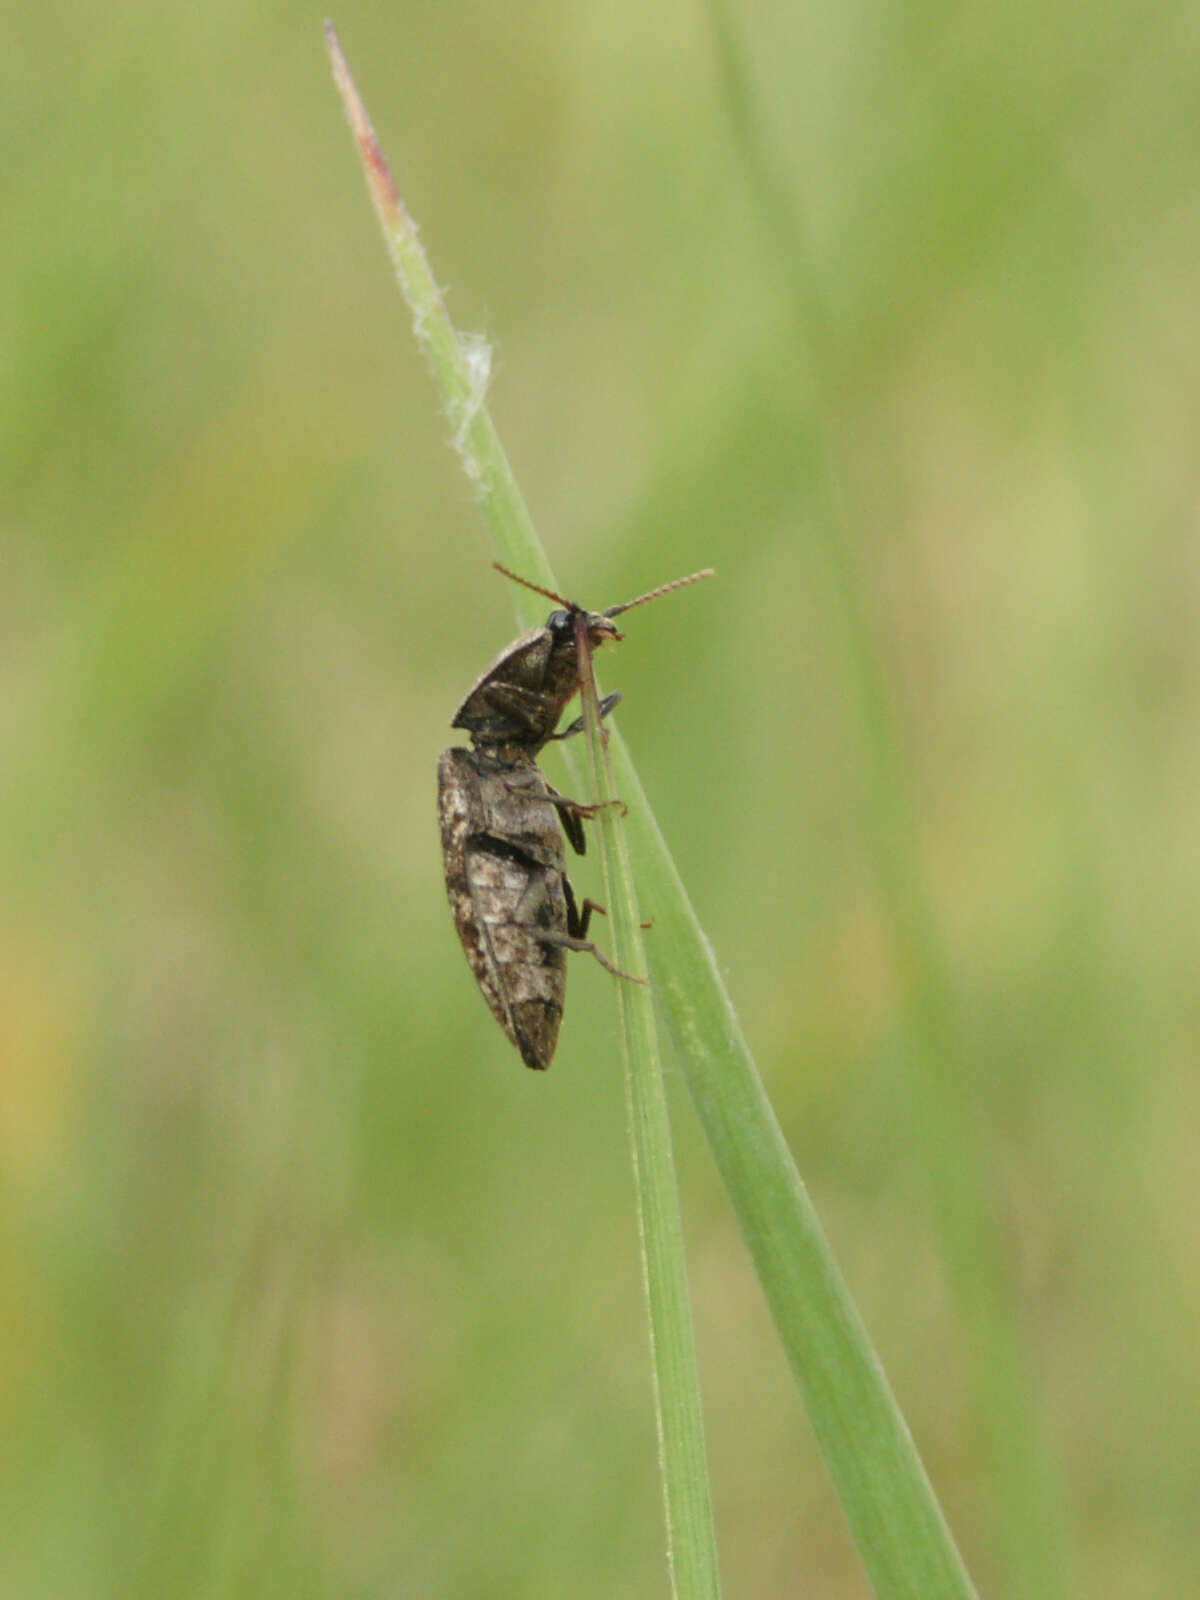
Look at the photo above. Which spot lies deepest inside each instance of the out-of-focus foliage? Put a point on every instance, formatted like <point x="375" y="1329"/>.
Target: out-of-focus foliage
<point x="308" y="1287"/>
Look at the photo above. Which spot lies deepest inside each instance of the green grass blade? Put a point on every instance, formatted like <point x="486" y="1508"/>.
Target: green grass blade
<point x="459" y="370"/>
<point x="691" y="1533"/>
<point x="1023" y="1489"/>
<point x="460" y="363"/>
<point x="897" y="1524"/>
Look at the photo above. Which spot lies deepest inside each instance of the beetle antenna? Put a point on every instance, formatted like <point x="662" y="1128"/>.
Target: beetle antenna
<point x="537" y="588"/>
<point x="663" y="588"/>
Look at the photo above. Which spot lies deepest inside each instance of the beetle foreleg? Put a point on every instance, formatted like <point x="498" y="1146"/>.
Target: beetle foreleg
<point x="609" y="703"/>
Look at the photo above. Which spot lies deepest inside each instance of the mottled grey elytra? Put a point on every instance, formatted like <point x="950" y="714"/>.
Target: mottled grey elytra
<point x="502" y="824"/>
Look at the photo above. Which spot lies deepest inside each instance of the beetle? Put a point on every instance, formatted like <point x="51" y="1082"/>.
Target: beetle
<point x="502" y="824"/>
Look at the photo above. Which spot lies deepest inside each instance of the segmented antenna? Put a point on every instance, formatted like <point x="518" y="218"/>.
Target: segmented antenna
<point x="613" y="611"/>
<point x="663" y="588"/>
<point x="537" y="588"/>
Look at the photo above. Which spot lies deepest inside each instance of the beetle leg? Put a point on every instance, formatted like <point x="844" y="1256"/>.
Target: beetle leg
<point x="578" y="916"/>
<point x="580" y="808"/>
<point x="585" y="915"/>
<point x="574" y="813"/>
<point x="566" y="942"/>
<point x="609" y="703"/>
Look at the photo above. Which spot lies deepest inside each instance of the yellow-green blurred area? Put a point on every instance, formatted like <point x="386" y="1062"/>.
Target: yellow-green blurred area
<point x="307" y="1287"/>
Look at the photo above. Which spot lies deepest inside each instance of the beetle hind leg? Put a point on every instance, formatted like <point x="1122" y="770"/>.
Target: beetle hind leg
<point x="578" y="918"/>
<point x="564" y="941"/>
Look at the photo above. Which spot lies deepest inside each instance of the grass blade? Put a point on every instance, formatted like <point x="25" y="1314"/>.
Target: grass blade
<point x="1024" y="1491"/>
<point x="460" y="372"/>
<point x="691" y="1534"/>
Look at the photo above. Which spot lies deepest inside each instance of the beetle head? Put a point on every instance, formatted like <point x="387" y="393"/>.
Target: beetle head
<point x="597" y="624"/>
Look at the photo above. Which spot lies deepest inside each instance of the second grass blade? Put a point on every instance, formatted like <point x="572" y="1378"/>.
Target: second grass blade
<point x="691" y="1531"/>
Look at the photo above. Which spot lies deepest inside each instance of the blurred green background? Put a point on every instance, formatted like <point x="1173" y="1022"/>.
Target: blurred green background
<point x="307" y="1288"/>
